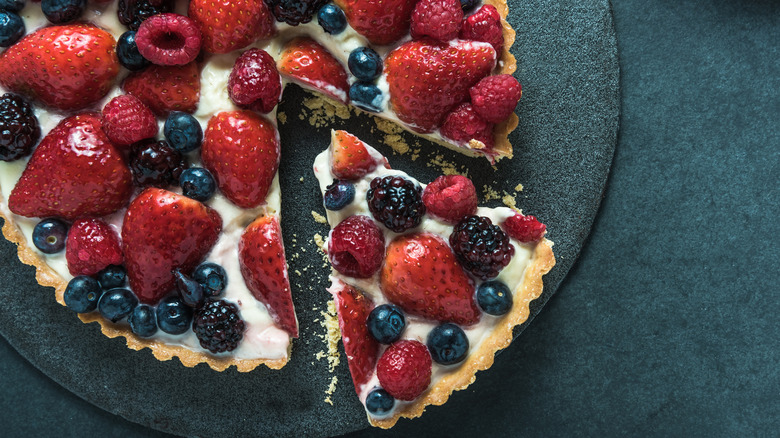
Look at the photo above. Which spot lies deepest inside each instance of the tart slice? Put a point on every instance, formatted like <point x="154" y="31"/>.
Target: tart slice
<point x="428" y="285"/>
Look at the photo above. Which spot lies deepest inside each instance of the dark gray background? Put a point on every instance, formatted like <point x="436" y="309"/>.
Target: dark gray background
<point x="668" y="323"/>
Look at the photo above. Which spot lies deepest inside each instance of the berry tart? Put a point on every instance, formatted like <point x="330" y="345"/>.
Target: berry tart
<point x="428" y="286"/>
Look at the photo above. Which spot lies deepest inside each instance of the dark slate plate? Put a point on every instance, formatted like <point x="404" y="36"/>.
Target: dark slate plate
<point x="567" y="63"/>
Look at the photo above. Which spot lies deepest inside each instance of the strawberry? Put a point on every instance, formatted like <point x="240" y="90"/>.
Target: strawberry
<point x="264" y="268"/>
<point x="404" y="370"/>
<point x="164" y="231"/>
<point x="75" y="171"/>
<point x="349" y="157"/>
<point x="361" y="348"/>
<point x="166" y="88"/>
<point x="66" y="67"/>
<point x="427" y="79"/>
<point x="380" y="21"/>
<point x="92" y="245"/>
<point x="241" y="149"/>
<point x="309" y="64"/>
<point x="422" y="276"/>
<point x="231" y="25"/>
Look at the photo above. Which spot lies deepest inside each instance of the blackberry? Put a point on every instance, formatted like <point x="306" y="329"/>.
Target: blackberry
<point x="19" y="129"/>
<point x="218" y="326"/>
<point x="482" y="248"/>
<point x="396" y="202"/>
<point x="156" y="163"/>
<point x="133" y="12"/>
<point x="294" y="12"/>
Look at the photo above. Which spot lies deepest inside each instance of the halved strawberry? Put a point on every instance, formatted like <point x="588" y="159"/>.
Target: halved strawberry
<point x="241" y="149"/>
<point x="92" y="245"/>
<point x="75" y="171"/>
<point x="380" y="21"/>
<point x="349" y="158"/>
<point x="231" y="25"/>
<point x="428" y="79"/>
<point x="264" y="268"/>
<point x="423" y="277"/>
<point x="66" y="67"/>
<point x="166" y="88"/>
<point x="309" y="64"/>
<point x="164" y="231"/>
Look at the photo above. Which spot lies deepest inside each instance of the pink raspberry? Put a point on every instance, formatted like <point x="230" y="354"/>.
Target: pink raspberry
<point x="404" y="370"/>
<point x="524" y="228"/>
<point x="438" y="19"/>
<point x="126" y="120"/>
<point x="168" y="39"/>
<point x="495" y="97"/>
<point x="484" y="25"/>
<point x="464" y="124"/>
<point x="254" y="81"/>
<point x="92" y="245"/>
<point x="450" y="197"/>
<point x="356" y="247"/>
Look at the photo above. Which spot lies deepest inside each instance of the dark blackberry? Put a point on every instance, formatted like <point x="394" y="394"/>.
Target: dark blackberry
<point x="156" y="163"/>
<point x="19" y="129"/>
<point x="396" y="202"/>
<point x="133" y="12"/>
<point x="482" y="248"/>
<point x="294" y="12"/>
<point x="218" y="326"/>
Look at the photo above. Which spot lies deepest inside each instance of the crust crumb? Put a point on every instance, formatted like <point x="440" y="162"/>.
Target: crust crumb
<point x="322" y="111"/>
<point x="331" y="389"/>
<point x="320" y="219"/>
<point x="490" y="193"/>
<point x="519" y="188"/>
<point x="447" y="168"/>
<point x="281" y="117"/>
<point x="509" y="200"/>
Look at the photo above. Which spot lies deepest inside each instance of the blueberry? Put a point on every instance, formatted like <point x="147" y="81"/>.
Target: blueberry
<point x="128" y="54"/>
<point x="12" y="5"/>
<point x="197" y="183"/>
<point x="332" y="19"/>
<point x="112" y="276"/>
<point x="448" y="344"/>
<point x="11" y="28"/>
<point x="366" y="96"/>
<point x="173" y="316"/>
<point x="143" y="321"/>
<point x="468" y="5"/>
<point x="212" y="277"/>
<point x="494" y="297"/>
<point x="49" y="235"/>
<point x="386" y="323"/>
<point x="190" y="291"/>
<point x="365" y="64"/>
<point x="82" y="294"/>
<point x="183" y="131"/>
<point x="63" y="11"/>
<point x="338" y="195"/>
<point x="379" y="402"/>
<point x="115" y="304"/>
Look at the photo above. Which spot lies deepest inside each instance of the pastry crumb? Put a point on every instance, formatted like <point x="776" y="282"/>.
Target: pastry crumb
<point x="318" y="217"/>
<point x="490" y="193"/>
<point x="509" y="200"/>
<point x="447" y="168"/>
<point x="281" y="117"/>
<point x="519" y="188"/>
<point x="331" y="389"/>
<point x="322" y="111"/>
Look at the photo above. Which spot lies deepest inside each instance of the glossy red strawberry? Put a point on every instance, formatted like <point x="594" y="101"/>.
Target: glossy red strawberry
<point x="361" y="348"/>
<point x="65" y="67"/>
<point x="349" y="157"/>
<point x="75" y="171"/>
<point x="404" y="370"/>
<point x="423" y="277"/>
<point x="92" y="245"/>
<point x="309" y="64"/>
<point x="241" y="149"/>
<point x="229" y="25"/>
<point x="264" y="268"/>
<point x="427" y="79"/>
<point x="166" y="88"/>
<point x="380" y="21"/>
<point x="164" y="231"/>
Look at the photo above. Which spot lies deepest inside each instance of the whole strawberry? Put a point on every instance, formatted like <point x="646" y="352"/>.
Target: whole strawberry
<point x="229" y="25"/>
<point x="380" y="21"/>
<point x="254" y="82"/>
<point x="404" y="370"/>
<point x="75" y="171"/>
<point x="438" y="19"/>
<point x="450" y="198"/>
<point x="166" y="88"/>
<point x="310" y="65"/>
<point x="92" y="245"/>
<point x="126" y="120"/>
<point x="65" y="67"/>
<point x="241" y="149"/>
<point x="484" y="25"/>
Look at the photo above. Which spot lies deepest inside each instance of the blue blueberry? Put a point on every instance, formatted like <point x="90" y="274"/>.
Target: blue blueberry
<point x="12" y="5"/>
<point x="49" y="235"/>
<point x="128" y="54"/>
<point x="366" y="96"/>
<point x="448" y="344"/>
<point x="183" y="131"/>
<point x="63" y="11"/>
<point x="365" y="64"/>
<point x="338" y="195"/>
<point x="212" y="277"/>
<point x="112" y="276"/>
<point x="116" y="304"/>
<point x="332" y="19"/>
<point x="173" y="316"/>
<point x="386" y="323"/>
<point x="143" y="321"/>
<point x="11" y="28"/>
<point x="197" y="183"/>
<point x="494" y="297"/>
<point x="82" y="294"/>
<point x="468" y="5"/>
<point x="190" y="291"/>
<point x="379" y="402"/>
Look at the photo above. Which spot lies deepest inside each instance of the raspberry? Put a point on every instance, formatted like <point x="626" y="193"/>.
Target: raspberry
<point x="133" y="12"/>
<point x="168" y="39"/>
<point x="19" y="128"/>
<point x="484" y="25"/>
<point x="524" y="228"/>
<point x="404" y="370"/>
<point x="396" y="202"/>
<point x="438" y="19"/>
<point x="495" y="97"/>
<point x="156" y="163"/>
<point x="218" y="326"/>
<point x="254" y="81"/>
<point x="126" y="120"/>
<point x="294" y="12"/>
<point x="482" y="248"/>
<point x="92" y="246"/>
<point x="450" y="198"/>
<point x="463" y="124"/>
<point x="356" y="247"/>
